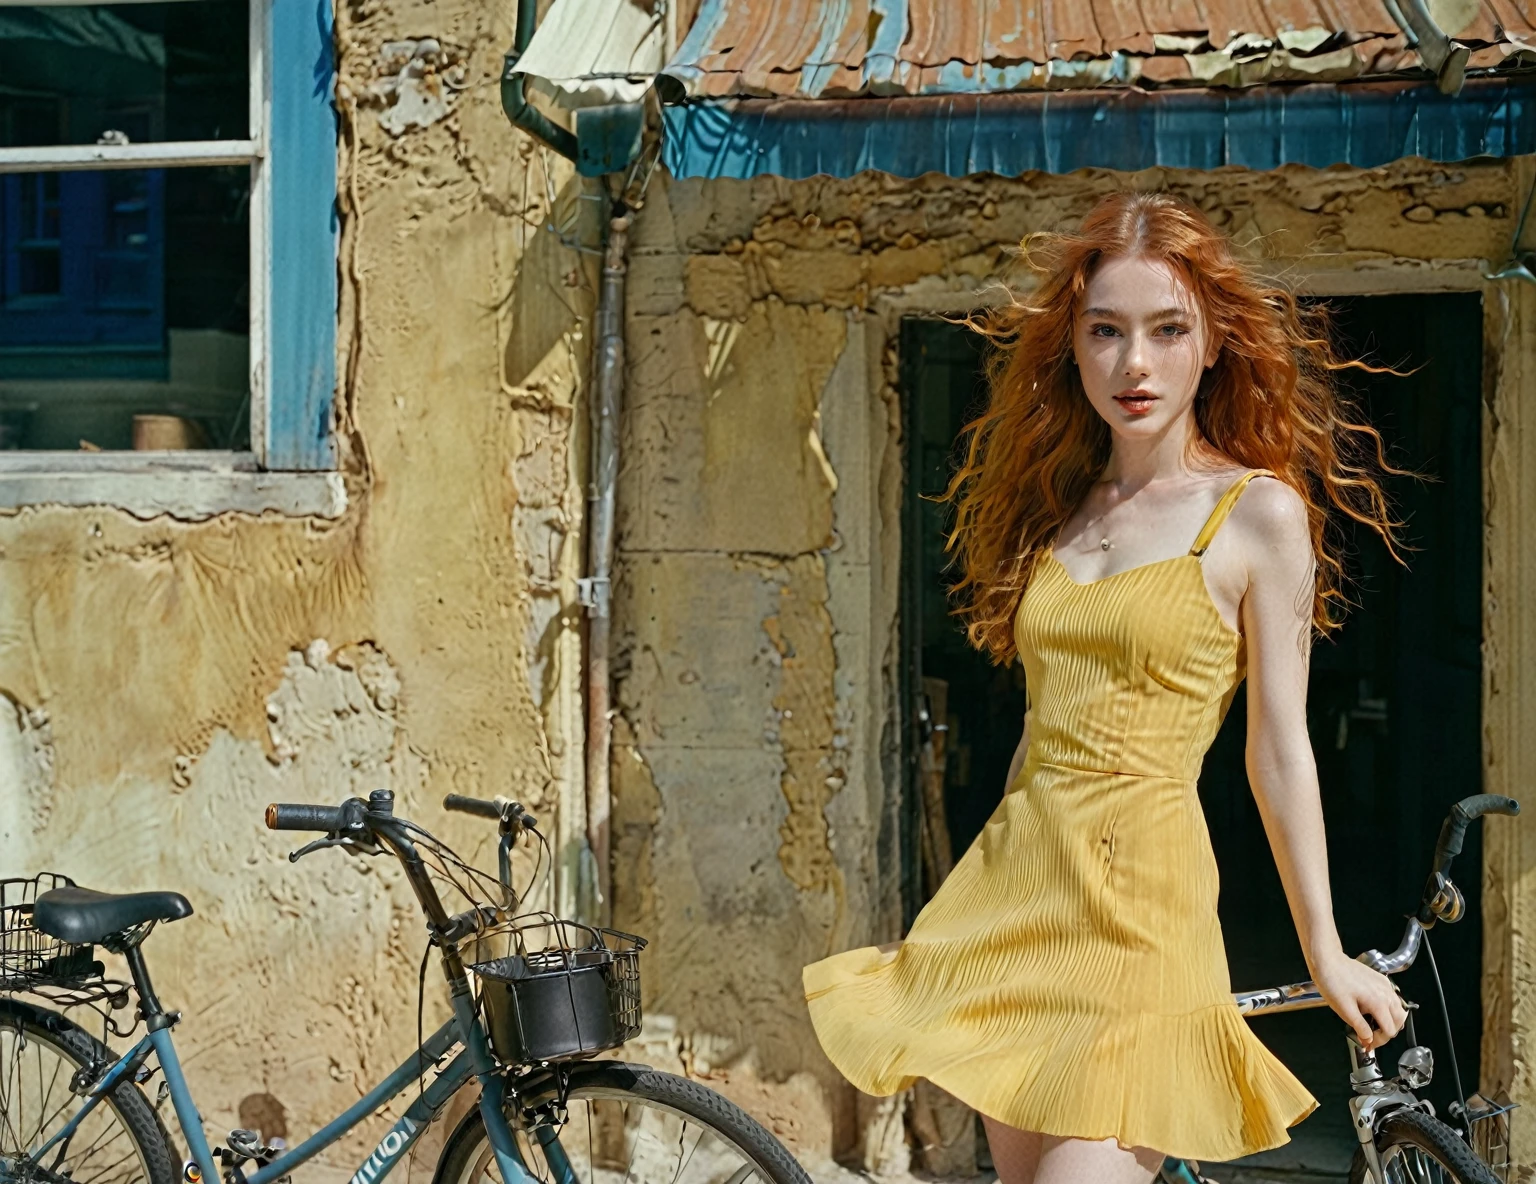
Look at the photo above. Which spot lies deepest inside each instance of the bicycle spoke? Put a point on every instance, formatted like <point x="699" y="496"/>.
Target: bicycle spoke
<point x="634" y="1147"/>
<point x="1410" y="1165"/>
<point x="36" y="1101"/>
<point x="7" y="1091"/>
<point x="42" y="1101"/>
<point x="15" y="1091"/>
<point x="682" y="1165"/>
<point x="109" y="1133"/>
<point x="591" y="1155"/>
<point x="132" y="1153"/>
<point x="46" y="1123"/>
<point x="627" y="1141"/>
<point x="13" y="1140"/>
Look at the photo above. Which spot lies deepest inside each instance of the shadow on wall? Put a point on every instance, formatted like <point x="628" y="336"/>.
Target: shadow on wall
<point x="551" y="301"/>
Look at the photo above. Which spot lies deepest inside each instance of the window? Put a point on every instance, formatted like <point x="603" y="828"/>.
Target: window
<point x="167" y="255"/>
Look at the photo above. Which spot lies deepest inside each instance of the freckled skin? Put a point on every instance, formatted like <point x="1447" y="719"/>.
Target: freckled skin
<point x="1141" y="328"/>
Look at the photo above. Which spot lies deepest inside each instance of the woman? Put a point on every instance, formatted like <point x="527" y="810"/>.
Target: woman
<point x="1142" y="520"/>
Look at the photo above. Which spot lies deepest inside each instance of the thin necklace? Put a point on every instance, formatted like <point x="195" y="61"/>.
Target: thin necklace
<point x="1104" y="543"/>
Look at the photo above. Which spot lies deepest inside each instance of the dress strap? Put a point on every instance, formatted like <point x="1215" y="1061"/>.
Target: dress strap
<point x="1223" y="508"/>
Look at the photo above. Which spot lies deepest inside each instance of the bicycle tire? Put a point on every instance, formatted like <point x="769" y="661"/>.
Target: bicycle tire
<point x="1412" y="1133"/>
<point x="617" y="1081"/>
<point x="74" y="1046"/>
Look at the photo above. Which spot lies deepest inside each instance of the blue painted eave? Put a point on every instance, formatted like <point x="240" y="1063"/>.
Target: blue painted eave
<point x="1365" y="124"/>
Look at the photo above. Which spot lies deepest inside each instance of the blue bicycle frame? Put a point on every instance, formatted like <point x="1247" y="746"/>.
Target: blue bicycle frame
<point x="473" y="1060"/>
<point x="464" y="1031"/>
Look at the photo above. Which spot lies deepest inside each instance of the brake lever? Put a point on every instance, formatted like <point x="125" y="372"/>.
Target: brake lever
<point x="343" y="841"/>
<point x="515" y="818"/>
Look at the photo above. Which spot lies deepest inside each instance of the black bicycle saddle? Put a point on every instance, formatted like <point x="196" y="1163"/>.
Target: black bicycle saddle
<point x="82" y="916"/>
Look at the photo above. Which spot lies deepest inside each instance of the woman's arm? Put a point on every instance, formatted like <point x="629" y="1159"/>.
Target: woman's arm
<point x="1277" y="623"/>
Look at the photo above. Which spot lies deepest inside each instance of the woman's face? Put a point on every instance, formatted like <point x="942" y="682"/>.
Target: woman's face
<point x="1141" y="341"/>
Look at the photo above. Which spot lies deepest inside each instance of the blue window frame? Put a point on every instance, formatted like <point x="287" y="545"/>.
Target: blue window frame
<point x="107" y="175"/>
<point x="302" y="333"/>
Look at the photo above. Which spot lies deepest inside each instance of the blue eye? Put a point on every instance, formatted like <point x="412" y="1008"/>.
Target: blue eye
<point x="1172" y="330"/>
<point x="1104" y="331"/>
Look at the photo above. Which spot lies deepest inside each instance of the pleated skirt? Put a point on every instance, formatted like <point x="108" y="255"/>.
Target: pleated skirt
<point x="1069" y="978"/>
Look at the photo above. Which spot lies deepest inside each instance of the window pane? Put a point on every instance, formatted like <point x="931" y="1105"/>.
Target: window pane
<point x="123" y="294"/>
<point x="93" y="73"/>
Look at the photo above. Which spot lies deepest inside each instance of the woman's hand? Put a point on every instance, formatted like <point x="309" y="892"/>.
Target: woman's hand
<point x="1355" y="991"/>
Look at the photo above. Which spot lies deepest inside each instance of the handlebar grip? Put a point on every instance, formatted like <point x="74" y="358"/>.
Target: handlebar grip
<point x="464" y="805"/>
<point x="1487" y="803"/>
<point x="295" y="816"/>
<point x="1454" y="829"/>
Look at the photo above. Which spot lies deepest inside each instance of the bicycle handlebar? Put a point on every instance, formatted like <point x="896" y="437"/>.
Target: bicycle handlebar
<point x="465" y="805"/>
<point x="298" y="816"/>
<point x="1454" y="829"/>
<point x="1403" y="957"/>
<point x="510" y="814"/>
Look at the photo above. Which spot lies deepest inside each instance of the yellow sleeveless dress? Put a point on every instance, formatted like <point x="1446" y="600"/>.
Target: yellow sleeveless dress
<point x="1069" y="976"/>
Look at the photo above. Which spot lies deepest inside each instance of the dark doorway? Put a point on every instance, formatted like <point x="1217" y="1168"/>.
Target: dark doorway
<point x="966" y="713"/>
<point x="1394" y="706"/>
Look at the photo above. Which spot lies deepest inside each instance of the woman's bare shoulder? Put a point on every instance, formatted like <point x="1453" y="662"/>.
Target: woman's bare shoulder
<point x="1272" y="520"/>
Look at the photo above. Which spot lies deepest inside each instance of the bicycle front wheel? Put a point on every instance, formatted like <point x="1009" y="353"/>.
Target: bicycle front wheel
<point x="1417" y="1149"/>
<point x="628" y="1124"/>
<point x="46" y="1062"/>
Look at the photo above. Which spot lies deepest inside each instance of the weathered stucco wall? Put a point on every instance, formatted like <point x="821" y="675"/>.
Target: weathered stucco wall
<point x="756" y="776"/>
<point x="1509" y="676"/>
<point x="164" y="681"/>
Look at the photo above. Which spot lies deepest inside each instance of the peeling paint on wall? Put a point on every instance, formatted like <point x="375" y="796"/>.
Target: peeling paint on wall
<point x="801" y="727"/>
<point x="418" y="84"/>
<point x="350" y="700"/>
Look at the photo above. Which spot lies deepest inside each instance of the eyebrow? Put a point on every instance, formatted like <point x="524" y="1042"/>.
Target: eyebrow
<point x="1162" y="314"/>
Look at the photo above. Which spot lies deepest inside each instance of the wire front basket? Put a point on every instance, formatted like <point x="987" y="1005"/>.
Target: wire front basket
<point x="559" y="989"/>
<point x="30" y="959"/>
<point x="1488" y="1123"/>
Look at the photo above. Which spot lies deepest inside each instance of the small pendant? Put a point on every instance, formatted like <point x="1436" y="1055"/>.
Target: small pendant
<point x="1103" y="544"/>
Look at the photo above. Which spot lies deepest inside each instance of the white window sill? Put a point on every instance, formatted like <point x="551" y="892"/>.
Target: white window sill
<point x="186" y="485"/>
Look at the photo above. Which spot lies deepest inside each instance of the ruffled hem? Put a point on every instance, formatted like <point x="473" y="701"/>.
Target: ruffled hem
<point x="1197" y="1085"/>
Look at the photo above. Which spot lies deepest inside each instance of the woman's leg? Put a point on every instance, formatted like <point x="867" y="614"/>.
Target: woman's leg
<point x="1094" y="1161"/>
<point x="1015" y="1153"/>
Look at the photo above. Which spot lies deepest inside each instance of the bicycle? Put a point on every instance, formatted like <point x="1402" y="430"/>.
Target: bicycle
<point x="1402" y="1141"/>
<point x="526" y="1026"/>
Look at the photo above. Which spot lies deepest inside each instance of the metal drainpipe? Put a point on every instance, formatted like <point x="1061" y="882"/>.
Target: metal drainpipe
<point x="606" y="404"/>
<point x="514" y="98"/>
<point x="606" y="407"/>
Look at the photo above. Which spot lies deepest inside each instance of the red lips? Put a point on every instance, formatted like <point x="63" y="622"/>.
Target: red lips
<point x="1137" y="402"/>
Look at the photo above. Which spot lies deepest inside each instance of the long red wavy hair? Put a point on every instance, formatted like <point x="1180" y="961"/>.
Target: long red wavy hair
<point x="1269" y="402"/>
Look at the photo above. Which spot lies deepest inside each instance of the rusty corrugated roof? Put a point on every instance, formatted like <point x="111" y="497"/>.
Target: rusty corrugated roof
<point x="845" y="48"/>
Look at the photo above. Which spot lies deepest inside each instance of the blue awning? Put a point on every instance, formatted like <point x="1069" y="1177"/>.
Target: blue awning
<point x="1365" y="124"/>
